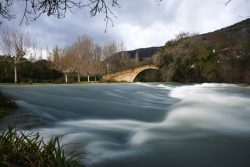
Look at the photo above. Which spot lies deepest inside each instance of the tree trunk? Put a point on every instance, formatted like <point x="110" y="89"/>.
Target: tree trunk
<point x="88" y="78"/>
<point x="66" y="77"/>
<point x="15" y="73"/>
<point x="95" y="78"/>
<point x="107" y="68"/>
<point x="78" y="78"/>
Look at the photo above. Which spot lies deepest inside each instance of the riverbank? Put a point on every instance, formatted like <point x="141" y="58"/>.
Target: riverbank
<point x="48" y="83"/>
<point x="7" y="105"/>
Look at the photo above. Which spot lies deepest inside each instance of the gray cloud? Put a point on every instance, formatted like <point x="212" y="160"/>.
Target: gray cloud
<point x="140" y="23"/>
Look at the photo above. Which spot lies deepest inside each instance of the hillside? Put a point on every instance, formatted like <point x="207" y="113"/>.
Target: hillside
<point x="241" y="29"/>
<point x="236" y="36"/>
<point x="220" y="56"/>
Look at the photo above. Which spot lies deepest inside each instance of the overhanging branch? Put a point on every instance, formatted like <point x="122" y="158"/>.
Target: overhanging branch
<point x="33" y="9"/>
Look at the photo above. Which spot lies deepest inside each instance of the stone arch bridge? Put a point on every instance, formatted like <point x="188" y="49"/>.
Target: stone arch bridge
<point x="128" y="75"/>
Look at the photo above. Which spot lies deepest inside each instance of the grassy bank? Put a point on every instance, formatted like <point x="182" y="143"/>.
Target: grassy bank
<point x="22" y="149"/>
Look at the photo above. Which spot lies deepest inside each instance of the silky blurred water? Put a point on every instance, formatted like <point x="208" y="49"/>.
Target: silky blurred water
<point x="141" y="124"/>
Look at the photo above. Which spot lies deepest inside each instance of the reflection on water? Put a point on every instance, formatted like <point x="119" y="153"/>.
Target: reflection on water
<point x="142" y="124"/>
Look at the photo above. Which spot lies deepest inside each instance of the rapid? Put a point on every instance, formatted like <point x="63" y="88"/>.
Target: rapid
<point x="141" y="124"/>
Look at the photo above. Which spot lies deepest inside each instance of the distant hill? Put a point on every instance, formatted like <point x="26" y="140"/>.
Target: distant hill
<point x="144" y="52"/>
<point x="118" y="61"/>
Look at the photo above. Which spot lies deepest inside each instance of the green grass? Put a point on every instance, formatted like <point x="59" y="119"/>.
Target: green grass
<point x="84" y="82"/>
<point x="22" y="149"/>
<point x="46" y="83"/>
<point x="42" y="84"/>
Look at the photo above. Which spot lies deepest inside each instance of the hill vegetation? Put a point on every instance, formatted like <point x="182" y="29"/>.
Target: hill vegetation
<point x="220" y="56"/>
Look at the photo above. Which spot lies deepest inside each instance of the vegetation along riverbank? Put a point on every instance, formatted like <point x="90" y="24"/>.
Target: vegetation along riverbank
<point x="18" y="148"/>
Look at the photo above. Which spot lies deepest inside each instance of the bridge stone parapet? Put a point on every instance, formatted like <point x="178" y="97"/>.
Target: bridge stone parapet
<point x="127" y="75"/>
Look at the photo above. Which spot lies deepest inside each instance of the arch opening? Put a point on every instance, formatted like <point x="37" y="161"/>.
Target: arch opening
<point x="148" y="75"/>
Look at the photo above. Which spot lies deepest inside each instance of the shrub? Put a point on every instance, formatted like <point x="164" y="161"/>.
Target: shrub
<point x="21" y="149"/>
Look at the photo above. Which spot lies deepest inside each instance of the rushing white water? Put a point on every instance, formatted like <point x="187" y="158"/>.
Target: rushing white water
<point x="143" y="124"/>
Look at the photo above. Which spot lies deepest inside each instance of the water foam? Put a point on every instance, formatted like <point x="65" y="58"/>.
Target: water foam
<point x="190" y="90"/>
<point x="159" y="86"/>
<point x="201" y="108"/>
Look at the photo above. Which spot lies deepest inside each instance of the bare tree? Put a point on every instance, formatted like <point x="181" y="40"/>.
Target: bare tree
<point x="83" y="57"/>
<point x="15" y="43"/>
<point x="137" y="59"/>
<point x="109" y="51"/>
<point x="117" y="57"/>
<point x="77" y="61"/>
<point x="83" y="51"/>
<point x="78" y="66"/>
<point x="63" y="61"/>
<point x="124" y="60"/>
<point x="96" y="61"/>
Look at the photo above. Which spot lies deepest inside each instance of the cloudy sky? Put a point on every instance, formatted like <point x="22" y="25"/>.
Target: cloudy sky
<point x="140" y="23"/>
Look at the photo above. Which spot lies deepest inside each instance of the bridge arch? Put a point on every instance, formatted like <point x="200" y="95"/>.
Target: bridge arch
<point x="128" y="75"/>
<point x="140" y="76"/>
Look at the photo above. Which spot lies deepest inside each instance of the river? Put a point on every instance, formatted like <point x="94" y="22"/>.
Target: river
<point x="141" y="124"/>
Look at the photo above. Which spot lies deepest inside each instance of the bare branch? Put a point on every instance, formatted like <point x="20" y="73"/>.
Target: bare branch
<point x="33" y="9"/>
<point x="100" y="6"/>
<point x="227" y="2"/>
<point x="5" y="12"/>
